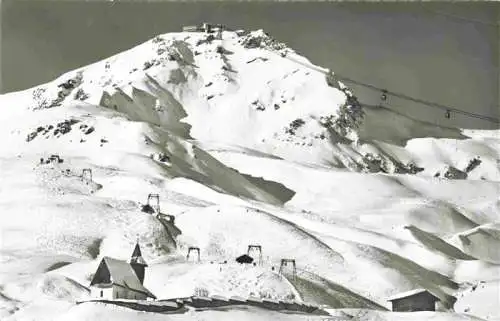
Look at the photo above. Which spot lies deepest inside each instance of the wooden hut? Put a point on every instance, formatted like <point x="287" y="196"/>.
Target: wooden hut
<point x="415" y="300"/>
<point x="244" y="259"/>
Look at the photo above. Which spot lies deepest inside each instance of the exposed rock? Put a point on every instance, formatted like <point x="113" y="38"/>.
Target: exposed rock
<point x="259" y="105"/>
<point x="294" y="125"/>
<point x="475" y="162"/>
<point x="454" y="173"/>
<point x="31" y="136"/>
<point x="208" y="39"/>
<point x="66" y="88"/>
<point x="39" y="98"/>
<point x="147" y="65"/>
<point x="261" y="39"/>
<point x="163" y="157"/>
<point x="81" y="94"/>
<point x="373" y="163"/>
<point x="413" y="169"/>
<point x="89" y="130"/>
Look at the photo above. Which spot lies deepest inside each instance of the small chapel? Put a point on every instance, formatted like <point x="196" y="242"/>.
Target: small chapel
<point x="117" y="279"/>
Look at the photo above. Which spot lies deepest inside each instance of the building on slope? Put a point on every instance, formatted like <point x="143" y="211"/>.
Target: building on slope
<point x="415" y="300"/>
<point x="204" y="27"/>
<point x="244" y="259"/>
<point x="116" y="279"/>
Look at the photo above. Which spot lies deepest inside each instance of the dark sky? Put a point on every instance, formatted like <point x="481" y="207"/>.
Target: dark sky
<point x="408" y="48"/>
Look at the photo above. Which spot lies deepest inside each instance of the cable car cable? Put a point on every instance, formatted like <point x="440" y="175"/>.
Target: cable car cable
<point x="421" y="101"/>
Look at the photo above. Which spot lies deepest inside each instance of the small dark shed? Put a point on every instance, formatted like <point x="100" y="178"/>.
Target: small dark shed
<point x="244" y="259"/>
<point x="415" y="300"/>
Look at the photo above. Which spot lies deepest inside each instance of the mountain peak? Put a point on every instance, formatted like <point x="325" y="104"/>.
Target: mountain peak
<point x="242" y="88"/>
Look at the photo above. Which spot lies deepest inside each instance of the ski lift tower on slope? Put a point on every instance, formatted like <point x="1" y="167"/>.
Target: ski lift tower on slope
<point x="86" y="175"/>
<point x="220" y="28"/>
<point x="258" y="248"/>
<point x="286" y="263"/>
<point x="193" y="249"/>
<point x="154" y="197"/>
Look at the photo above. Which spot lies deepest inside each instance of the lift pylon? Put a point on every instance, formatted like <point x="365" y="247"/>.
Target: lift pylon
<point x="87" y="175"/>
<point x="285" y="263"/>
<point x="253" y="247"/>
<point x="193" y="249"/>
<point x="151" y="198"/>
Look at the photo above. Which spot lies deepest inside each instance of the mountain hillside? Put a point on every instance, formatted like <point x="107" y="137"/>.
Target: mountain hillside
<point x="246" y="142"/>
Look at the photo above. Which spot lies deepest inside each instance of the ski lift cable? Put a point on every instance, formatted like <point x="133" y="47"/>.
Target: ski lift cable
<point x="402" y="96"/>
<point x="453" y="16"/>
<point x="421" y="101"/>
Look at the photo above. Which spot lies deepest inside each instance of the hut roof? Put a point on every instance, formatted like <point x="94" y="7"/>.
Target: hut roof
<point x="244" y="259"/>
<point x="411" y="293"/>
<point x="192" y="27"/>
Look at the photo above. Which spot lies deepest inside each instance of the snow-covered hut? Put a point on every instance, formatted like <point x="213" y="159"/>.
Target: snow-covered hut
<point x="244" y="259"/>
<point x="191" y="28"/>
<point x="415" y="300"/>
<point x="204" y="27"/>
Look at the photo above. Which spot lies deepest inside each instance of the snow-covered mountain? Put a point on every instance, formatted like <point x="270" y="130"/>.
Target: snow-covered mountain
<point x="246" y="142"/>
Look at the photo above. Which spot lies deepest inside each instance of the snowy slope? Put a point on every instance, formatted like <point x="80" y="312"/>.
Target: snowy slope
<point x="247" y="143"/>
